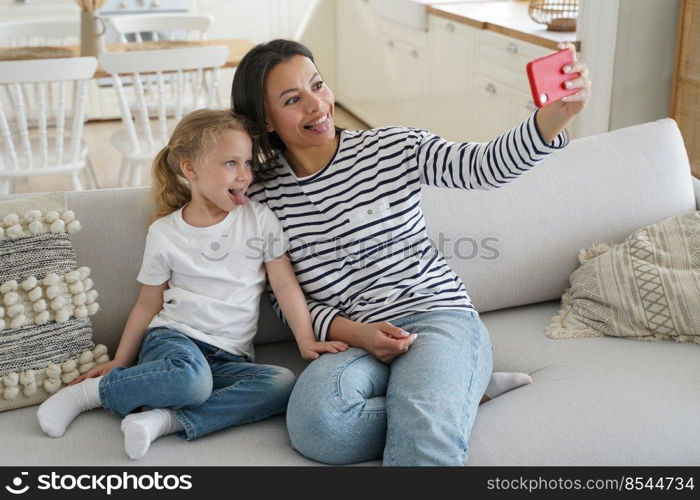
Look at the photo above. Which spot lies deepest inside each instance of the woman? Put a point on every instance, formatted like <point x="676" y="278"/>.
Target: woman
<point x="420" y="359"/>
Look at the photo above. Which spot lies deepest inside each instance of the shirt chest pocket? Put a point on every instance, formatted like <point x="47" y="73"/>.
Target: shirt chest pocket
<point x="368" y="227"/>
<point x="369" y="213"/>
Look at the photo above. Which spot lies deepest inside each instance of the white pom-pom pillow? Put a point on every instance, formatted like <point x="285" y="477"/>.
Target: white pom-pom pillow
<point x="46" y="301"/>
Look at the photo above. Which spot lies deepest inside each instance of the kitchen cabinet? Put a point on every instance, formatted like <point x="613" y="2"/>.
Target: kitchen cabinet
<point x="35" y="10"/>
<point x="501" y="95"/>
<point x="382" y="67"/>
<point x="251" y="19"/>
<point x="459" y="81"/>
<point x="403" y="77"/>
<point x="359" y="61"/>
<point x="490" y="109"/>
<point x="452" y="52"/>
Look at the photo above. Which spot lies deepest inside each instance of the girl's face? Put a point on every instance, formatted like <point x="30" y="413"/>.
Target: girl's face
<point x="299" y="106"/>
<point x="225" y="173"/>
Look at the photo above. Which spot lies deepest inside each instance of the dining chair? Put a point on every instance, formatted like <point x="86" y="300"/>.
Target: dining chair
<point x="39" y="33"/>
<point x="185" y="79"/>
<point x="55" y="145"/>
<point x="160" y="27"/>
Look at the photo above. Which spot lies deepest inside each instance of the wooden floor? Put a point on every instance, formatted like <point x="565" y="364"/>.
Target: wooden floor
<point x="106" y="159"/>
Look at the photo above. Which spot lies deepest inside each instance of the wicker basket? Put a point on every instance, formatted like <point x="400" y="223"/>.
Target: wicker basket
<point x="558" y="15"/>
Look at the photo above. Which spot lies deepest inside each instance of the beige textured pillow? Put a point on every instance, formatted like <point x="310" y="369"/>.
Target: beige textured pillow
<point x="647" y="287"/>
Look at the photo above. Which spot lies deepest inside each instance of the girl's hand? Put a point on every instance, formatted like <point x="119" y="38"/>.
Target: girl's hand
<point x="102" y="369"/>
<point x="313" y="350"/>
<point x="572" y="105"/>
<point x="386" y="341"/>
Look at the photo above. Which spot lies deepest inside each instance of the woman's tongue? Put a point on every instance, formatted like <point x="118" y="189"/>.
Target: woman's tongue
<point x="319" y="127"/>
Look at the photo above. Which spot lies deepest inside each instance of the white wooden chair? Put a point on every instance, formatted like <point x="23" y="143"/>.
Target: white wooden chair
<point x="56" y="145"/>
<point x="160" y="26"/>
<point x="39" y="33"/>
<point x="35" y="34"/>
<point x="193" y="84"/>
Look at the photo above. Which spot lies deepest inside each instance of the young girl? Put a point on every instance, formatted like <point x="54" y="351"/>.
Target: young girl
<point x="194" y="320"/>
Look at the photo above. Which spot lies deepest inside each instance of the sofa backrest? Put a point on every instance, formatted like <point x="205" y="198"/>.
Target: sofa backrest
<point x="598" y="189"/>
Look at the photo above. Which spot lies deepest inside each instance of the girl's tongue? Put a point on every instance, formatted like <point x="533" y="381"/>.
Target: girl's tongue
<point x="239" y="198"/>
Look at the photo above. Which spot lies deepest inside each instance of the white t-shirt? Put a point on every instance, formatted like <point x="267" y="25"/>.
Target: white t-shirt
<point x="215" y="274"/>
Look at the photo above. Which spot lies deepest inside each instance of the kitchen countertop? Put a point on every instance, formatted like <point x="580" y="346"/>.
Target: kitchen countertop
<point x="508" y="18"/>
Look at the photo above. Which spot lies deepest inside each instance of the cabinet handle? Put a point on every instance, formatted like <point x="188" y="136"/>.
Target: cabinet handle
<point x="512" y="48"/>
<point x="414" y="53"/>
<point x="491" y="88"/>
<point x="450" y="27"/>
<point x="389" y="43"/>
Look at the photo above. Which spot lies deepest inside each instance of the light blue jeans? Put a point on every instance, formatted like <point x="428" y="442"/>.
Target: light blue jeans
<point x="208" y="388"/>
<point x="417" y="410"/>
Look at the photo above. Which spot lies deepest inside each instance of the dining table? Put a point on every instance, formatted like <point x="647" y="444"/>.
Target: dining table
<point x="237" y="48"/>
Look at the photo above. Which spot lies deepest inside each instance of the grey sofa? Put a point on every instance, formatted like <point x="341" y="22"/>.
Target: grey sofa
<point x="599" y="401"/>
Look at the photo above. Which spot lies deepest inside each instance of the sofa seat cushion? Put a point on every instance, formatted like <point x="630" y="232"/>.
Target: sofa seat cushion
<point x="593" y="401"/>
<point x="94" y="438"/>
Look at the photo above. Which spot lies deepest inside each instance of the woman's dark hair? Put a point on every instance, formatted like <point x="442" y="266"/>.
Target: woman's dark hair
<point x="248" y="94"/>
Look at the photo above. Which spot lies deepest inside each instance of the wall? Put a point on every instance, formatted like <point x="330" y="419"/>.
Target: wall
<point x="644" y="60"/>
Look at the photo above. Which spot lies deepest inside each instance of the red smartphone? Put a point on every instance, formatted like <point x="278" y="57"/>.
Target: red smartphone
<point x="547" y="77"/>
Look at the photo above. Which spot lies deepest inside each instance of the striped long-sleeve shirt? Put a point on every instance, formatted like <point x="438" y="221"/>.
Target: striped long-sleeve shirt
<point x="357" y="236"/>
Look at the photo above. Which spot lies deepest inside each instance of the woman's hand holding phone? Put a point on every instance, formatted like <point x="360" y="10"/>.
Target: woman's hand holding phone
<point x="551" y="83"/>
<point x="556" y="114"/>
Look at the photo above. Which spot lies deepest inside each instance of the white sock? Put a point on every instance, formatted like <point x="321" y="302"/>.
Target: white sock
<point x="141" y="429"/>
<point x="57" y="412"/>
<point x="505" y="381"/>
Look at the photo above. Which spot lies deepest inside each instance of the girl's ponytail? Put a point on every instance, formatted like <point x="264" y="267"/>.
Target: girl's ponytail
<point x="170" y="191"/>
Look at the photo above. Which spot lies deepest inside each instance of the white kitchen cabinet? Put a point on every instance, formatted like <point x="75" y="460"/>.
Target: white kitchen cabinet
<point x="451" y="49"/>
<point x="502" y="97"/>
<point x="382" y="68"/>
<point x="359" y="59"/>
<point x="36" y="10"/>
<point x="402" y="84"/>
<point x="251" y="19"/>
<point x="490" y="108"/>
<point x="521" y="107"/>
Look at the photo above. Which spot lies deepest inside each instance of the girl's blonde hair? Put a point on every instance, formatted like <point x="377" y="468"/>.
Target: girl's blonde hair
<point x="191" y="140"/>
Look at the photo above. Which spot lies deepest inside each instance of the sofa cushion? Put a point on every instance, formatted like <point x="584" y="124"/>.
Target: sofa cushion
<point x="597" y="401"/>
<point x="517" y="244"/>
<point x="594" y="401"/>
<point x="94" y="438"/>
<point x="647" y="287"/>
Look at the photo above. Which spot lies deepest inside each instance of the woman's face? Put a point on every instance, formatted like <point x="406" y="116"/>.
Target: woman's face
<point x="299" y="106"/>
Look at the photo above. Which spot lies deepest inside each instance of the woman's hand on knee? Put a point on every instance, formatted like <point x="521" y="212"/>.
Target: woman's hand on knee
<point x="386" y="341"/>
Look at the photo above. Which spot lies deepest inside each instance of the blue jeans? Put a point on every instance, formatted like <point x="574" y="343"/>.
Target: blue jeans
<point x="417" y="410"/>
<point x="208" y="388"/>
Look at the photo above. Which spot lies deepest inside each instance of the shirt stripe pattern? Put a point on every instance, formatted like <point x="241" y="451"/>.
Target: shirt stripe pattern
<point x="357" y="236"/>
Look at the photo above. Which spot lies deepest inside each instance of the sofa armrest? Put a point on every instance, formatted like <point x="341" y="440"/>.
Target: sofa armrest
<point x="696" y="187"/>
